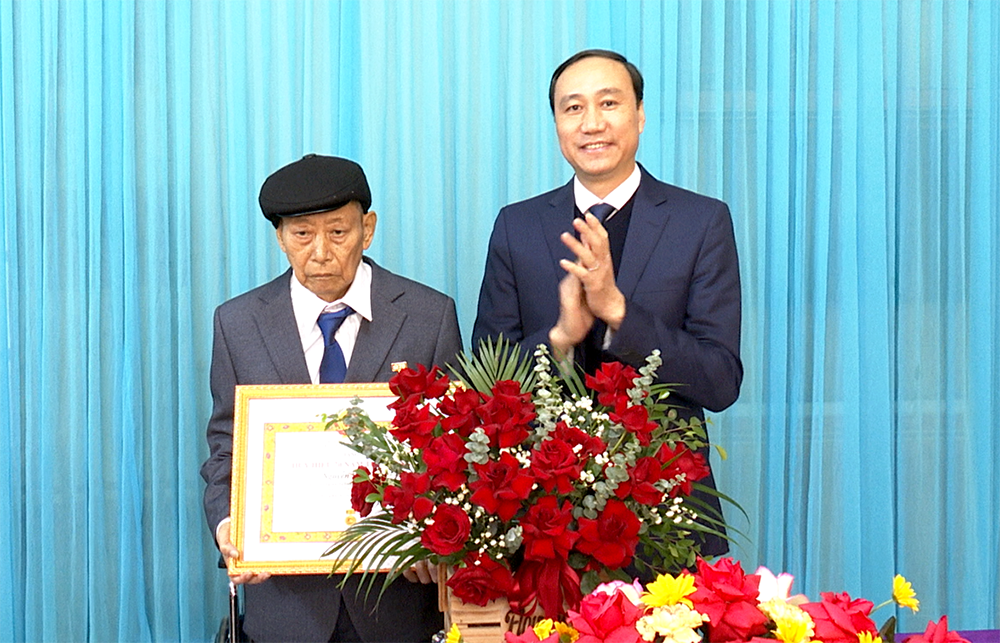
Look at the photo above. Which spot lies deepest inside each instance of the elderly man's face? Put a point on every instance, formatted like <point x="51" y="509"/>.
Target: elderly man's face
<point x="598" y="121"/>
<point x="325" y="248"/>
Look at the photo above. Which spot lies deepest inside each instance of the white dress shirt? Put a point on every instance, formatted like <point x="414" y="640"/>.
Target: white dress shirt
<point x="617" y="198"/>
<point x="308" y="307"/>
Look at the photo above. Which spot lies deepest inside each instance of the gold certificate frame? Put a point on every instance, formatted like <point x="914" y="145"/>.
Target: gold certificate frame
<point x="291" y="486"/>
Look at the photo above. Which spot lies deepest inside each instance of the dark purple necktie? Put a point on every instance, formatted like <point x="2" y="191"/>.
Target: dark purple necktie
<point x="601" y="211"/>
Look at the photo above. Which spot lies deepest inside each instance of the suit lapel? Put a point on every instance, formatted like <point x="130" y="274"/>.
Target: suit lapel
<point x="556" y="220"/>
<point x="649" y="220"/>
<point x="276" y="322"/>
<point x="375" y="338"/>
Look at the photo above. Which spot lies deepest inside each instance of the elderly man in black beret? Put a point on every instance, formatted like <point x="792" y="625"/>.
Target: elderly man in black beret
<point x="334" y="316"/>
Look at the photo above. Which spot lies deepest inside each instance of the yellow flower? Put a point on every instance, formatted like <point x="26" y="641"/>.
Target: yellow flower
<point x="792" y="624"/>
<point x="903" y="594"/>
<point x="866" y="637"/>
<point x="669" y="590"/>
<point x="454" y="635"/>
<point x="543" y="628"/>
<point x="567" y="633"/>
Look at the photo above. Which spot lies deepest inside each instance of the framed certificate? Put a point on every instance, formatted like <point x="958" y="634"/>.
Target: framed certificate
<point x="291" y="486"/>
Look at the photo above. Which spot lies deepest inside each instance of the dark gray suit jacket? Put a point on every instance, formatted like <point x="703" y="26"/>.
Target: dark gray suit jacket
<point x="679" y="273"/>
<point x="257" y="342"/>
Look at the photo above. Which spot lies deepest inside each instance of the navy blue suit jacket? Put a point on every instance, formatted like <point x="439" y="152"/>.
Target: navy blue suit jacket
<point x="256" y="341"/>
<point x="679" y="273"/>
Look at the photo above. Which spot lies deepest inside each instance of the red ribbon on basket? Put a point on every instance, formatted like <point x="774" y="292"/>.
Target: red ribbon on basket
<point x="551" y="583"/>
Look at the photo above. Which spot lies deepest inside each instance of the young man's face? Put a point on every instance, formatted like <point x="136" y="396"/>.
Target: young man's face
<point x="325" y="249"/>
<point x="598" y="121"/>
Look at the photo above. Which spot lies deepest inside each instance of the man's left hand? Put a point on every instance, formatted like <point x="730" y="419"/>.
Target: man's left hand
<point x="595" y="270"/>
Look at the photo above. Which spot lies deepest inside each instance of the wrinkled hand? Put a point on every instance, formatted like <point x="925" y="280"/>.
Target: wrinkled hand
<point x="575" y="319"/>
<point x="229" y="551"/>
<point x="595" y="270"/>
<point x="422" y="572"/>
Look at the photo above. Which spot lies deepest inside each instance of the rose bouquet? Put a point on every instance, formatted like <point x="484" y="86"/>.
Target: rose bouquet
<point x="720" y="603"/>
<point x="527" y="481"/>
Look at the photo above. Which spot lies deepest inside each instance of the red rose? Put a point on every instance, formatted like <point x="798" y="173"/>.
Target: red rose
<point x="607" y="617"/>
<point x="407" y="498"/>
<point x="555" y="466"/>
<point x="839" y="619"/>
<point x="414" y="424"/>
<point x="683" y="466"/>
<point x="612" y="538"/>
<point x="447" y="531"/>
<point x="612" y="382"/>
<point x="481" y="580"/>
<point x="459" y="411"/>
<point x="409" y="383"/>
<point x="545" y="529"/>
<point x="937" y="633"/>
<point x="590" y="445"/>
<point x="728" y="597"/>
<point x="445" y="459"/>
<point x="635" y="419"/>
<point x="641" y="478"/>
<point x="507" y="415"/>
<point x="361" y="488"/>
<point x="502" y="486"/>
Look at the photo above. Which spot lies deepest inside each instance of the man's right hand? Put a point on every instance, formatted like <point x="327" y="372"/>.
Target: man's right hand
<point x="229" y="551"/>
<point x="575" y="319"/>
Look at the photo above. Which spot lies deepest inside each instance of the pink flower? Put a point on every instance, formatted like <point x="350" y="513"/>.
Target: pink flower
<point x="937" y="633"/>
<point x="729" y="598"/>
<point x="839" y="618"/>
<point x="608" y="615"/>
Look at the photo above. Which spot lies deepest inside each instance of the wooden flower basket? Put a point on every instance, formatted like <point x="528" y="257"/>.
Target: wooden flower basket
<point x="481" y="624"/>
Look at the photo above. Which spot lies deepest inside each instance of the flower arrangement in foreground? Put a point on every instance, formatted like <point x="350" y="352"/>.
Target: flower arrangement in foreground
<point x="530" y="485"/>
<point x="720" y="603"/>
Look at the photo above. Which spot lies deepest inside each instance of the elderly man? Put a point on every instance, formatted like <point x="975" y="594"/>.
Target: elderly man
<point x="334" y="316"/>
<point x="615" y="263"/>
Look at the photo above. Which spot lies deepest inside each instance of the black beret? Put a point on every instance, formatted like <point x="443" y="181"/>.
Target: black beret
<point x="313" y="184"/>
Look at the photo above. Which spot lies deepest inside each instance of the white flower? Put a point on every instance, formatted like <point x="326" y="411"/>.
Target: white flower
<point x="675" y="623"/>
<point x="772" y="586"/>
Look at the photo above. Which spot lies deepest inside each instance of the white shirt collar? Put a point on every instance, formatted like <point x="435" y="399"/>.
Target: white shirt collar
<point x="307" y="306"/>
<point x="617" y="198"/>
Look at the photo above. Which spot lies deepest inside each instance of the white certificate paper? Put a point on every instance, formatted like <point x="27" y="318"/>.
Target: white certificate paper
<point x="292" y="478"/>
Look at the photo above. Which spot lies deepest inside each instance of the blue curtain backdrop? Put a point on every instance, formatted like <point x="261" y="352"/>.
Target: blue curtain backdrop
<point x="857" y="143"/>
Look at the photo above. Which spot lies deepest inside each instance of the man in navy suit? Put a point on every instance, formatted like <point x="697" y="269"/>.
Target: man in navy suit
<point x="615" y="263"/>
<point x="320" y="208"/>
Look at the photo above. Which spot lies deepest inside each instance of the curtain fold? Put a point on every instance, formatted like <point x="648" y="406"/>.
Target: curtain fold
<point x="855" y="142"/>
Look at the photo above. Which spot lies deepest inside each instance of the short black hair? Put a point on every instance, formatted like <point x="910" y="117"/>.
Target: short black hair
<point x="633" y="71"/>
